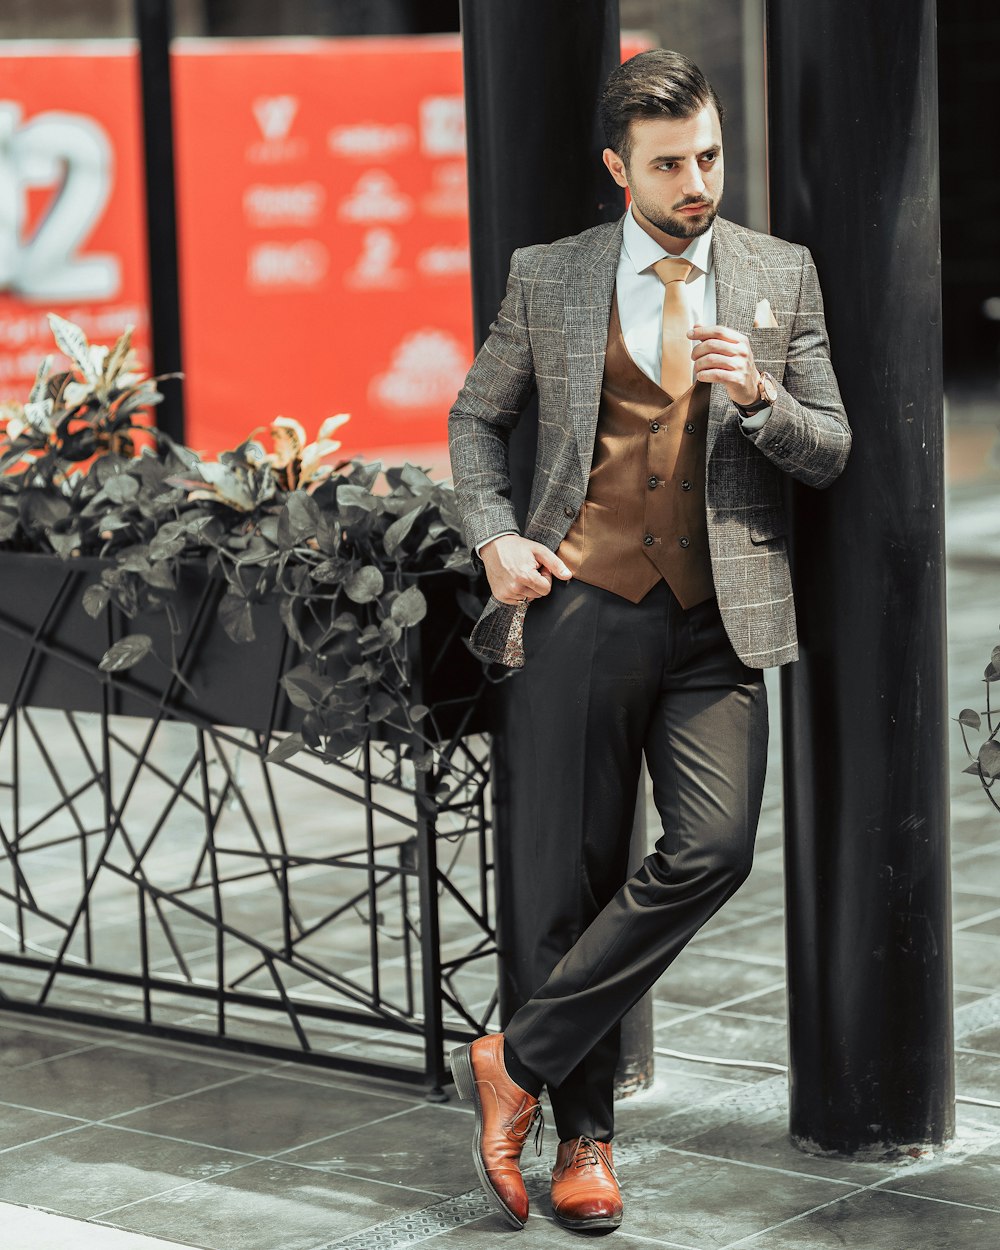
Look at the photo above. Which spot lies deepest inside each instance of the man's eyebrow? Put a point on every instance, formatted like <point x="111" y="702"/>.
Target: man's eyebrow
<point x="659" y="160"/>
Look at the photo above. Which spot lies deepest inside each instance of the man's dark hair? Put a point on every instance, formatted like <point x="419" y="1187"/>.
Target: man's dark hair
<point x="659" y="83"/>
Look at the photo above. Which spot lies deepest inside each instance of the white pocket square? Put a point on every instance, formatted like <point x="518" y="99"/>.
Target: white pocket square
<point x="763" y="318"/>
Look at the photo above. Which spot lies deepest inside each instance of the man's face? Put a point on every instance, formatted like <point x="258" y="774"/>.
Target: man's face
<point x="674" y="172"/>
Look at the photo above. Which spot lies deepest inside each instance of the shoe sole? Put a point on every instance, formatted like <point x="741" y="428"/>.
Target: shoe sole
<point x="465" y="1083"/>
<point x="576" y="1226"/>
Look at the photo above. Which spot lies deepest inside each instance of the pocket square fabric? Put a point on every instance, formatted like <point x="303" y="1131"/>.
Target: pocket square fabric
<point x="763" y="317"/>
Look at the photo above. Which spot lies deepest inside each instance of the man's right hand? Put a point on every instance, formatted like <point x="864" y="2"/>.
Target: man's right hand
<point x="518" y="568"/>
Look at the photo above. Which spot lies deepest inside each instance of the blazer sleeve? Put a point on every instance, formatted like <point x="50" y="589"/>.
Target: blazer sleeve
<point x="488" y="407"/>
<point x="806" y="434"/>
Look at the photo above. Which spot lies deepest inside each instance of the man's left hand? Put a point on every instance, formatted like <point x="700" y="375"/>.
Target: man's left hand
<point x="725" y="356"/>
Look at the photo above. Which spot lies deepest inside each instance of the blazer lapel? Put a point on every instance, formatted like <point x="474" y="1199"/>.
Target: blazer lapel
<point x="737" y="281"/>
<point x="587" y="312"/>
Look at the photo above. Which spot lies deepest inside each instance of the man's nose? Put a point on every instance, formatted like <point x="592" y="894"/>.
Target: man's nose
<point x="694" y="183"/>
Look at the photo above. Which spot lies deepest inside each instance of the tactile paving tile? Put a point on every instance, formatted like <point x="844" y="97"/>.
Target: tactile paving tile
<point x="417" y="1226"/>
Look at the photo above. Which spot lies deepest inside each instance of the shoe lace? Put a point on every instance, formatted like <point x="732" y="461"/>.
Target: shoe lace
<point x="588" y="1155"/>
<point x="535" y="1118"/>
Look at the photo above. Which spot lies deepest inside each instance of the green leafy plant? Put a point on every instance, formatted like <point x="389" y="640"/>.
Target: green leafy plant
<point x="338" y="547"/>
<point x="986" y="759"/>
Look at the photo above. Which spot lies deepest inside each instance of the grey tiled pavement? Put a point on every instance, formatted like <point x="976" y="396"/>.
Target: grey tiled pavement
<point x="118" y="1142"/>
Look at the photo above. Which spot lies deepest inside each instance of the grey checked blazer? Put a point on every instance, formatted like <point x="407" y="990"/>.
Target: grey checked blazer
<point x="551" y="333"/>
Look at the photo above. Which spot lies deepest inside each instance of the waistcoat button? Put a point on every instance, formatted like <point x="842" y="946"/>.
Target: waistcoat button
<point x="654" y="426"/>
<point x="568" y="511"/>
<point x="690" y="427"/>
<point x="684" y="542"/>
<point x="685" y="485"/>
<point x="653" y="483"/>
<point x="647" y="540"/>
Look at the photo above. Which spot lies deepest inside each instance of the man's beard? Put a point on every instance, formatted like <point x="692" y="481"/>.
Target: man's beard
<point x="679" y="227"/>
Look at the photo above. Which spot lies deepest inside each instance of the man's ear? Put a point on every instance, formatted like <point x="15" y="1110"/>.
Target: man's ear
<point x="616" y="166"/>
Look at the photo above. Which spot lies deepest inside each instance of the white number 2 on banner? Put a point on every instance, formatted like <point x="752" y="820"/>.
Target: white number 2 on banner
<point x="72" y="154"/>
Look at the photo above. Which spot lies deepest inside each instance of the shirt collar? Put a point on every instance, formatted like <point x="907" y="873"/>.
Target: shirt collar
<point x="643" y="250"/>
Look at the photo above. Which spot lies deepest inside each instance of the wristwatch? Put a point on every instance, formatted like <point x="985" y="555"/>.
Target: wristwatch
<point x="767" y="393"/>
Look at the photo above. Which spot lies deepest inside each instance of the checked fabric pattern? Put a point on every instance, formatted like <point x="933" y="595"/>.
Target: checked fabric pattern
<point x="551" y="333"/>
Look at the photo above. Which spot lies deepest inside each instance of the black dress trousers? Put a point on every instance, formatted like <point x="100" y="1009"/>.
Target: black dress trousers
<point x="605" y="682"/>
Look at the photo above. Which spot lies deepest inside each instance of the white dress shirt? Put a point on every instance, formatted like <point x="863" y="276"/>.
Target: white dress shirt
<point x="640" y="304"/>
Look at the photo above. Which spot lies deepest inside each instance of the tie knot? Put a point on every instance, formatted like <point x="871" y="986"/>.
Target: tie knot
<point x="672" y="269"/>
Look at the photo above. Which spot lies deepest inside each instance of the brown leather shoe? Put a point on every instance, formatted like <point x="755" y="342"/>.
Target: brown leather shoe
<point x="505" y="1114"/>
<point x="585" y="1191"/>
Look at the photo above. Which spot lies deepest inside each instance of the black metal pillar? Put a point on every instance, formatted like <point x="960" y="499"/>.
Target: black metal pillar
<point x="854" y="175"/>
<point x="533" y="76"/>
<point x="153" y="26"/>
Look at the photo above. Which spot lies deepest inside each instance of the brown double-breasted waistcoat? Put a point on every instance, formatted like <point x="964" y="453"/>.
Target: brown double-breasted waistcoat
<point x="643" y="517"/>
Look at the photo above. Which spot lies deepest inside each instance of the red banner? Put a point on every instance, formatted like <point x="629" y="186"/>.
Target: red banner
<point x="324" y="234"/>
<point x="323" y="225"/>
<point x="72" y="224"/>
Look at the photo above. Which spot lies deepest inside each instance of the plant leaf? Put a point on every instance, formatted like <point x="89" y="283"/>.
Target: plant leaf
<point x="41" y="378"/>
<point x="285" y="749"/>
<point x="95" y="599"/>
<point x="125" y="652"/>
<point x="66" y="543"/>
<point x="350" y="495"/>
<point x="416" y="479"/>
<point x="305" y="688"/>
<point x="332" y="570"/>
<point x="235" y="618"/>
<point x="381" y="706"/>
<point x="121" y="488"/>
<point x="409" y="607"/>
<point x="398" y="530"/>
<point x="363" y="585"/>
<point x="390" y="630"/>
<point x="158" y="575"/>
<point x="73" y="342"/>
<point x="116" y="358"/>
<point x="968" y="717"/>
<point x="288" y="612"/>
<point x="989" y="759"/>
<point x="298" y="520"/>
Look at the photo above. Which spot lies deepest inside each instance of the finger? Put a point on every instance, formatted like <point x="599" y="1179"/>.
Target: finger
<point x="549" y="560"/>
<point x="736" y="364"/>
<point x="717" y="332"/>
<point x="720" y="347"/>
<point x="517" y="589"/>
<point x="532" y="583"/>
<point x="725" y="376"/>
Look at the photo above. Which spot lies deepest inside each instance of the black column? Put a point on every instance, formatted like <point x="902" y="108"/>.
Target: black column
<point x="854" y="175"/>
<point x="153" y="25"/>
<point x="533" y="76"/>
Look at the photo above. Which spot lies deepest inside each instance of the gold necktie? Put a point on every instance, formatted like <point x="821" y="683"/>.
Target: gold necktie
<point x="675" y="360"/>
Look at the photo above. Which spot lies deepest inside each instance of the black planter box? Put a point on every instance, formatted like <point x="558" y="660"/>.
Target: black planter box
<point x="50" y="649"/>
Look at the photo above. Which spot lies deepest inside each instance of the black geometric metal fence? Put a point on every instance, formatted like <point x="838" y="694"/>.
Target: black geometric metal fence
<point x="158" y="874"/>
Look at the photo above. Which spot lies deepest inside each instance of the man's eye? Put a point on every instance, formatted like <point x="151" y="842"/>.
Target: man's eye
<point x="666" y="165"/>
<point x="709" y="157"/>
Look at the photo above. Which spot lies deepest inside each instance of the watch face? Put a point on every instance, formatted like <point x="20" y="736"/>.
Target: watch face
<point x="768" y="388"/>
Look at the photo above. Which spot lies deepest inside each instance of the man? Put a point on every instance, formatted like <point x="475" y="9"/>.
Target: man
<point x="682" y="367"/>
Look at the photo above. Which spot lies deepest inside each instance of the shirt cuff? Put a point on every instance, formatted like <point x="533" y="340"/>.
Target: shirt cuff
<point x="756" y="421"/>
<point x="480" y="546"/>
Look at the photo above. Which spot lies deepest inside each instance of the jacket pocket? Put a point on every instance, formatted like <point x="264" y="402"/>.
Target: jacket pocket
<point x="767" y="523"/>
